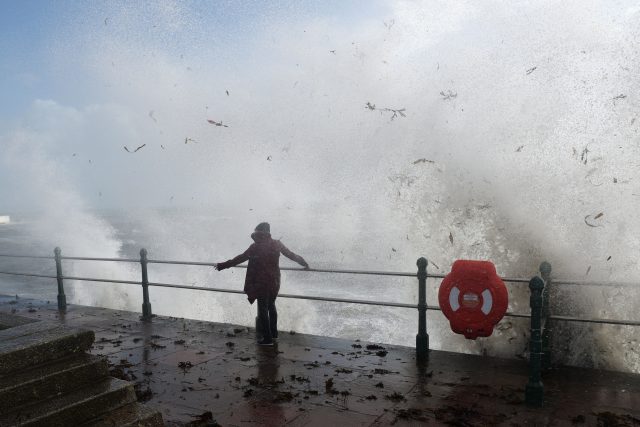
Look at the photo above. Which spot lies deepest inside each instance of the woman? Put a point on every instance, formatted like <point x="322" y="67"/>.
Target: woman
<point x="262" y="281"/>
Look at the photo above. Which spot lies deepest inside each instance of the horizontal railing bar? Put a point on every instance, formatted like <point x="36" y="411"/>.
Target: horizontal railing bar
<point x="158" y="261"/>
<point x="78" y="258"/>
<point x="579" y="283"/>
<point x="89" y="279"/>
<point x="196" y="288"/>
<point x="26" y="256"/>
<point x="599" y="321"/>
<point x="28" y="274"/>
<point x="524" y="316"/>
<point x="515" y="280"/>
<point x="382" y="273"/>
<point x="329" y="270"/>
<point x="351" y="301"/>
<point x="316" y="270"/>
<point x="234" y="291"/>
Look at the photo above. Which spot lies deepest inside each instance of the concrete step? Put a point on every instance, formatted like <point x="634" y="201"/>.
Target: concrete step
<point x="74" y="408"/>
<point x="20" y="328"/>
<point x="132" y="415"/>
<point x="11" y="320"/>
<point x="39" y="342"/>
<point x="51" y="379"/>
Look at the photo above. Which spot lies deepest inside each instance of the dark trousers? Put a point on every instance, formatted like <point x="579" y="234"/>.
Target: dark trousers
<point x="267" y="317"/>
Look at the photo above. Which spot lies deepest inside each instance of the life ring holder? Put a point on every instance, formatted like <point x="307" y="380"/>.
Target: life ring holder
<point x="473" y="297"/>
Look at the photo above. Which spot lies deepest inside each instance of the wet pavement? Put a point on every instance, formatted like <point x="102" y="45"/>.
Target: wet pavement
<point x="200" y="373"/>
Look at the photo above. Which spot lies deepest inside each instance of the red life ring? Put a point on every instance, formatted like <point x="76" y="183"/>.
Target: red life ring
<point x="473" y="298"/>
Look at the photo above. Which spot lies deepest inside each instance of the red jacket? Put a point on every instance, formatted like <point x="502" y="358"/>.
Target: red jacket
<point x="263" y="271"/>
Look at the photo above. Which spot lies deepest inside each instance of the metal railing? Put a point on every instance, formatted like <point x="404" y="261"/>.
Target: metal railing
<point x="541" y="318"/>
<point x="144" y="262"/>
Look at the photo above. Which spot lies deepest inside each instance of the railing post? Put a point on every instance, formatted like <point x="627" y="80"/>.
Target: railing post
<point x="62" y="298"/>
<point x="146" y="305"/>
<point x="545" y="271"/>
<point x="422" y="339"/>
<point x="534" y="391"/>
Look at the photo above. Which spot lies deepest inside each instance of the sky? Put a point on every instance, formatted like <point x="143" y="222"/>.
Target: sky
<point x="31" y="30"/>
<point x="80" y="59"/>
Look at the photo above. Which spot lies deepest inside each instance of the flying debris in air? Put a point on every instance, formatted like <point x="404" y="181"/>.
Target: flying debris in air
<point x="423" y="160"/>
<point x="394" y="112"/>
<point x="162" y="146"/>
<point x="531" y="70"/>
<point x="519" y="149"/>
<point x="589" y="220"/>
<point x="151" y="115"/>
<point x="583" y="155"/>
<point x="269" y="158"/>
<point x="134" y="151"/>
<point x="333" y="51"/>
<point x="227" y="92"/>
<point x="73" y="155"/>
<point x="105" y="21"/>
<point x="618" y="97"/>
<point x="448" y="95"/>
<point x="186" y="140"/>
<point x="213" y="122"/>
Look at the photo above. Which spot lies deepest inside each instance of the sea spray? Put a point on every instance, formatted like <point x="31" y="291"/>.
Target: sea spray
<point x="518" y="122"/>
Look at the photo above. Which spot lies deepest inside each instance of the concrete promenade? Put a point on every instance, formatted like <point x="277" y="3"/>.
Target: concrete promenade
<point x="200" y="373"/>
